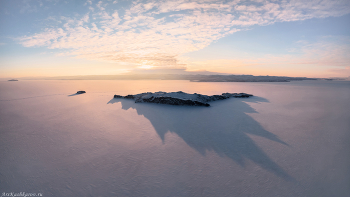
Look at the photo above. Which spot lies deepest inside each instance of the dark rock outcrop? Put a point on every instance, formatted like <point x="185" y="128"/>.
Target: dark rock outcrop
<point x="181" y="98"/>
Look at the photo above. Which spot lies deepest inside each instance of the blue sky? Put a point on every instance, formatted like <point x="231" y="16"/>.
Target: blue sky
<point x="287" y="38"/>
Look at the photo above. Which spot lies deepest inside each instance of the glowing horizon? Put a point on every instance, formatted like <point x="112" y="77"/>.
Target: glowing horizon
<point x="281" y="38"/>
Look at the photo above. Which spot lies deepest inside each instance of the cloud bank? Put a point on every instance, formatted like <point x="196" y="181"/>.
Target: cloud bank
<point x="151" y="33"/>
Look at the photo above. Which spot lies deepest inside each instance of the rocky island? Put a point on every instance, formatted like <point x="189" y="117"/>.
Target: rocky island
<point x="180" y="98"/>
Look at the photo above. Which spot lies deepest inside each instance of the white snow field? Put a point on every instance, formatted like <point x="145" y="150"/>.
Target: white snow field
<point x="289" y="139"/>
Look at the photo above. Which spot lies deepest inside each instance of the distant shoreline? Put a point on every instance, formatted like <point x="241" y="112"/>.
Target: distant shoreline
<point x="192" y="78"/>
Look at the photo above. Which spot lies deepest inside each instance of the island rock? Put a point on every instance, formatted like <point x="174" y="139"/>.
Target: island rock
<point x="181" y="98"/>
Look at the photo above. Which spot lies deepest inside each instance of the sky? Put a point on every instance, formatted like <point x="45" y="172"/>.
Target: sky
<point x="304" y="38"/>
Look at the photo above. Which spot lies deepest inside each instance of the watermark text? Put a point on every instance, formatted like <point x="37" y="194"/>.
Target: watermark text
<point x="22" y="194"/>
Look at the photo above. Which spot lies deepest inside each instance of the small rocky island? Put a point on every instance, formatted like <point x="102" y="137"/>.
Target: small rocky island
<point x="81" y="92"/>
<point x="181" y="98"/>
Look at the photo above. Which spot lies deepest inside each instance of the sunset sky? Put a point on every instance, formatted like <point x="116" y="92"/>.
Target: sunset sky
<point x="307" y="38"/>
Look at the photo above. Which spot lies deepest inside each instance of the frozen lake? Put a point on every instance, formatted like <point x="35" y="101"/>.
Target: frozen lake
<point x="290" y="139"/>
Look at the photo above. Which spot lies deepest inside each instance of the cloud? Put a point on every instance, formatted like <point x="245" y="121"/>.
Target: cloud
<point x="28" y="8"/>
<point x="345" y="72"/>
<point x="330" y="54"/>
<point x="88" y="2"/>
<point x="155" y="33"/>
<point x="327" y="53"/>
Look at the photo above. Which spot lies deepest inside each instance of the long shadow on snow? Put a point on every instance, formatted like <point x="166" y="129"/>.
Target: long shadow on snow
<point x="75" y="94"/>
<point x="223" y="128"/>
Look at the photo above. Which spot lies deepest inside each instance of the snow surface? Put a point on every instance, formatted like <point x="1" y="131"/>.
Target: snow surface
<point x="290" y="139"/>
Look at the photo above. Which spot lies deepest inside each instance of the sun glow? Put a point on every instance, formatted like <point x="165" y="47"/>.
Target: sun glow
<point x="145" y="67"/>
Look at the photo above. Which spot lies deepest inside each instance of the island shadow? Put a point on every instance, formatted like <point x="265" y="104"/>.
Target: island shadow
<point x="75" y="94"/>
<point x="222" y="127"/>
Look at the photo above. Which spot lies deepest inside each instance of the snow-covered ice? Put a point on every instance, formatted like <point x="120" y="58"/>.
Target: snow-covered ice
<point x="289" y="139"/>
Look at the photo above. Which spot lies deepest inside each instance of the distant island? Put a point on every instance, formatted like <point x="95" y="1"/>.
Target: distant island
<point x="13" y="80"/>
<point x="244" y="78"/>
<point x="181" y="98"/>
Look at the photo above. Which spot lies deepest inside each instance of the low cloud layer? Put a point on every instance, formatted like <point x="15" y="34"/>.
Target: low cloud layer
<point x="149" y="34"/>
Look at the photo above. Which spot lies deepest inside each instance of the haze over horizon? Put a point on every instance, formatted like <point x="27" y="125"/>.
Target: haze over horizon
<point x="280" y="38"/>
